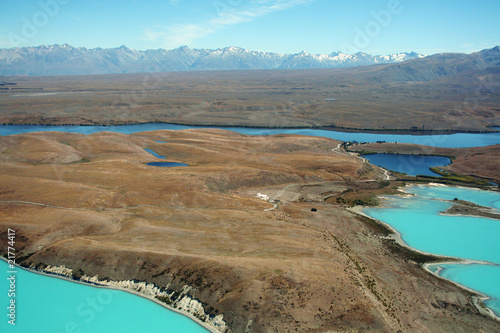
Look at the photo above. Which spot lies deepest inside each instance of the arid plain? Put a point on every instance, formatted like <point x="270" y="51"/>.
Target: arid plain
<point x="381" y="98"/>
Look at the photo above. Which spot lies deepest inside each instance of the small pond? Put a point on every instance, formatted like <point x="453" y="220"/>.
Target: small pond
<point x="167" y="164"/>
<point x="155" y="154"/>
<point x="163" y="164"/>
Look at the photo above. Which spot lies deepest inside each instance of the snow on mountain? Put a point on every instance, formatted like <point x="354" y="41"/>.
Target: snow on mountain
<point x="68" y="60"/>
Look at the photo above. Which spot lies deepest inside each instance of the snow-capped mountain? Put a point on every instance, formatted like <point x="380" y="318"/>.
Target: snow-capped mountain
<point x="68" y="60"/>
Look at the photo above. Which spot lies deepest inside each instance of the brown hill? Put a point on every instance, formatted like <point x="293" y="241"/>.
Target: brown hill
<point x="92" y="204"/>
<point x="438" y="65"/>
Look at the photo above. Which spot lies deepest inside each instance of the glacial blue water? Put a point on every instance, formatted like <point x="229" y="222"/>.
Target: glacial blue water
<point x="482" y="278"/>
<point x="449" y="140"/>
<point x="49" y="304"/>
<point x="421" y="226"/>
<point x="412" y="165"/>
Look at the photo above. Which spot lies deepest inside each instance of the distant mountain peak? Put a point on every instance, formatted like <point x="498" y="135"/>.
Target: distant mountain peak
<point x="68" y="60"/>
<point x="233" y="49"/>
<point x="183" y="48"/>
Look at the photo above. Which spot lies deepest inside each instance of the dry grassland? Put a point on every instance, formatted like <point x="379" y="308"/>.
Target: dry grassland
<point x="92" y="204"/>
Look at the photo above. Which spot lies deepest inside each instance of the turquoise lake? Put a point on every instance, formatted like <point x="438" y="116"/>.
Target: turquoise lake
<point x="482" y="278"/>
<point x="48" y="304"/>
<point x="421" y="226"/>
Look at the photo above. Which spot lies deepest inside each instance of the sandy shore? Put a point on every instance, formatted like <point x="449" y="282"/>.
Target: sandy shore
<point x="470" y="215"/>
<point x="66" y="278"/>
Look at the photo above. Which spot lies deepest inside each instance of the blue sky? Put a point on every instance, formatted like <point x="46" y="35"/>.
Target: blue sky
<point x="284" y="26"/>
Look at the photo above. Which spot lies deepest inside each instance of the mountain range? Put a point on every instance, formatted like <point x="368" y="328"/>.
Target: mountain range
<point x="68" y="60"/>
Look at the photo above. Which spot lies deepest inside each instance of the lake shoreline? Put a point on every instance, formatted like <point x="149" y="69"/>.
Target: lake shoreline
<point x="187" y="314"/>
<point x="467" y="208"/>
<point x="478" y="298"/>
